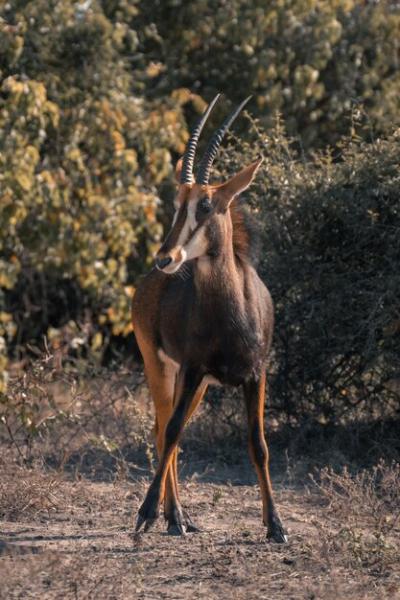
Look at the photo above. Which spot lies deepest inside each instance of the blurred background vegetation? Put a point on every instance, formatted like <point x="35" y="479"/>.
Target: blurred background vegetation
<point x="96" y="101"/>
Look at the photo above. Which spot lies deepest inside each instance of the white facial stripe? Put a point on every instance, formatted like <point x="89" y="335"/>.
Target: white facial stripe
<point x="184" y="234"/>
<point x="197" y="245"/>
<point x="190" y="224"/>
<point x="192" y="205"/>
<point x="175" y="217"/>
<point x="189" y="247"/>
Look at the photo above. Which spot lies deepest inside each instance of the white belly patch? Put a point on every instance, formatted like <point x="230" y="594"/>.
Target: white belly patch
<point x="172" y="364"/>
<point x="210" y="380"/>
<point x="167" y="360"/>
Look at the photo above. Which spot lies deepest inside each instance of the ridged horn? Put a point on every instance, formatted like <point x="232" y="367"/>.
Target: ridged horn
<point x="188" y="157"/>
<point x="203" y="174"/>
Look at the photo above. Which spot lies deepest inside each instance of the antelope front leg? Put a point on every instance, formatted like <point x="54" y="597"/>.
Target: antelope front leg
<point x="254" y="392"/>
<point x="187" y="384"/>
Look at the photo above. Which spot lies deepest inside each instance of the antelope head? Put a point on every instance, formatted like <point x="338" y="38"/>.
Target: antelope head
<point x="202" y="222"/>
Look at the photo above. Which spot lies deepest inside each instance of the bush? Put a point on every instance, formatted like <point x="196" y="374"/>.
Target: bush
<point x="92" y="117"/>
<point x="309" y="60"/>
<point x="331" y="255"/>
<point x="80" y="156"/>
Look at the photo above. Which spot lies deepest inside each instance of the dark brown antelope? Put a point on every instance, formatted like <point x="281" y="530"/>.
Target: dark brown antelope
<point x="202" y="316"/>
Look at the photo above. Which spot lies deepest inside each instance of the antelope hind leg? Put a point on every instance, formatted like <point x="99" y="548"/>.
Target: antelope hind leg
<point x="254" y="392"/>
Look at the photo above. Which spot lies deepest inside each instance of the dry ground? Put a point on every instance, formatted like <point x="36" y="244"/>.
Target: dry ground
<point x="72" y="481"/>
<point x="74" y="540"/>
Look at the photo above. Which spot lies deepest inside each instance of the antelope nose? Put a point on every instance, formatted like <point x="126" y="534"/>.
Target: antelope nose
<point x="163" y="262"/>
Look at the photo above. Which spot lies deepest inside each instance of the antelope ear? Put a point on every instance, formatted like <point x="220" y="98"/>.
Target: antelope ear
<point x="228" y="191"/>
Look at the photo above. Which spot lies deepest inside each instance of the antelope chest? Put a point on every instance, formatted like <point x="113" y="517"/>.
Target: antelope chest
<point x="232" y="356"/>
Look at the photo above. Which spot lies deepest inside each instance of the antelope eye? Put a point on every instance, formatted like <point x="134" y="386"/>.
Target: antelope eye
<point x="205" y="206"/>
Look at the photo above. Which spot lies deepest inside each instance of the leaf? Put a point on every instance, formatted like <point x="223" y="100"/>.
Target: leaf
<point x="24" y="181"/>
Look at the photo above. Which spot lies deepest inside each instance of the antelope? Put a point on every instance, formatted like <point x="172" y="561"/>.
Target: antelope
<point x="202" y="316"/>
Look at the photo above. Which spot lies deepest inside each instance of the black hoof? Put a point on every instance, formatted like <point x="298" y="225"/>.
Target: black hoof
<point x="148" y="523"/>
<point x="176" y="529"/>
<point x="179" y="523"/>
<point x="277" y="534"/>
<point x="190" y="526"/>
<point x="139" y="522"/>
<point x="148" y="513"/>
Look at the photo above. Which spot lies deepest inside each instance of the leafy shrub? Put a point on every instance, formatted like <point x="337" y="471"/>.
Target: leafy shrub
<point x="92" y="116"/>
<point x="331" y="255"/>
<point x="309" y="60"/>
<point x="79" y="159"/>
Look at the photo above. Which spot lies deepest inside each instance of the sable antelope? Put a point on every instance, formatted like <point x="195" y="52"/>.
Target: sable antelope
<point x="202" y="316"/>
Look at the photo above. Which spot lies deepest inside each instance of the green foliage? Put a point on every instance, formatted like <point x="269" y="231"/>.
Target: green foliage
<point x="311" y="60"/>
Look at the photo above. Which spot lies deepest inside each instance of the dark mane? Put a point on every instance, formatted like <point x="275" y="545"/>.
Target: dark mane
<point x="246" y="233"/>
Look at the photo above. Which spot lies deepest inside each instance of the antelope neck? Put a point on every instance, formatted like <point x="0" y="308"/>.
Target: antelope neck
<point x="219" y="274"/>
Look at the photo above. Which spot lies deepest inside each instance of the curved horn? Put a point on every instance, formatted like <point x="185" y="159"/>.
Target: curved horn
<point x="215" y="142"/>
<point x="188" y="157"/>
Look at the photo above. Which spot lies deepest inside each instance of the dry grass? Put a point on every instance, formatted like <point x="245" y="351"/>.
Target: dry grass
<point x="370" y="495"/>
<point x="367" y="506"/>
<point x="25" y="496"/>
